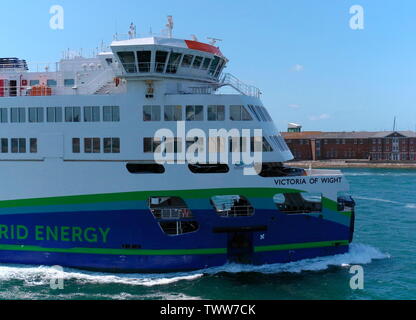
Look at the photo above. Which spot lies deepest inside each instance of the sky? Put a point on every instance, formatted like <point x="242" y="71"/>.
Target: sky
<point x="311" y="66"/>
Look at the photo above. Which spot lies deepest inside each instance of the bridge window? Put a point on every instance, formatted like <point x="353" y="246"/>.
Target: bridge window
<point x="36" y="115"/>
<point x="73" y="114"/>
<point x="111" y="145"/>
<point x="54" y="114"/>
<point x="128" y="61"/>
<point x="3" y="115"/>
<point x="187" y="60"/>
<point x="232" y="206"/>
<point x="161" y="57"/>
<point x="219" y="69"/>
<point x="18" y="145"/>
<point x="76" y="145"/>
<point x="299" y="203"/>
<point x="174" y="60"/>
<point x="239" y="113"/>
<point x="173" y="113"/>
<point x="194" y="113"/>
<point x="216" y="113"/>
<point x="92" y="114"/>
<point x="111" y="114"/>
<point x="33" y="145"/>
<point x="206" y="64"/>
<point x="197" y="62"/>
<point x="92" y="145"/>
<point x="214" y="66"/>
<point x="145" y="168"/>
<point x="144" y="59"/>
<point x="151" y="113"/>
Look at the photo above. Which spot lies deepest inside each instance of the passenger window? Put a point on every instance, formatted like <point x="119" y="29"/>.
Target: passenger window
<point x="299" y="203"/>
<point x="92" y="114"/>
<point x="232" y="206"/>
<point x="194" y="113"/>
<point x="76" y="145"/>
<point x="111" y="114"/>
<point x="73" y="114"/>
<point x="36" y="115"/>
<point x="187" y="60"/>
<point x="33" y="145"/>
<point x="145" y="168"/>
<point x="111" y="145"/>
<point x="209" y="168"/>
<point x="239" y="113"/>
<point x="69" y="82"/>
<point x="151" y="113"/>
<point x="216" y="113"/>
<point x="150" y="145"/>
<point x="173" y="113"/>
<point x="54" y="114"/>
<point x="3" y="115"/>
<point x="4" y="145"/>
<point x="92" y="145"/>
<point x="18" y="115"/>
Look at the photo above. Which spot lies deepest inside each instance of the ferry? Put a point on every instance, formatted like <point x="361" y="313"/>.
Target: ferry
<point x="82" y="187"/>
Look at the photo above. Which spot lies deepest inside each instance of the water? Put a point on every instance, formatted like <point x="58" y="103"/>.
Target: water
<point x="384" y="245"/>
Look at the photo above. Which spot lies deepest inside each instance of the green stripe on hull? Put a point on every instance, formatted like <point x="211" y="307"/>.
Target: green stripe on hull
<point x="308" y="245"/>
<point x="122" y="252"/>
<point x="145" y="195"/>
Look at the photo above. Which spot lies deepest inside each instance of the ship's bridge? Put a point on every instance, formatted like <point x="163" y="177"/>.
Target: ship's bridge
<point x="169" y="58"/>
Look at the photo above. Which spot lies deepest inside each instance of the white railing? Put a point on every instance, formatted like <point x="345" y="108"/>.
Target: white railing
<point x="232" y="81"/>
<point x="172" y="213"/>
<point x="101" y="79"/>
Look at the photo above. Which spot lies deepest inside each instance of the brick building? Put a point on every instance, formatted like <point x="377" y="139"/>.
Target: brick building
<point x="374" y="146"/>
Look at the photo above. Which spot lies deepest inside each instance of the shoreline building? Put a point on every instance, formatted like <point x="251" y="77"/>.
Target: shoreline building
<point x="371" y="146"/>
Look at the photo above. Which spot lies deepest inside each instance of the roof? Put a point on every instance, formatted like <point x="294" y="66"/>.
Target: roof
<point x="347" y="135"/>
<point x="180" y="43"/>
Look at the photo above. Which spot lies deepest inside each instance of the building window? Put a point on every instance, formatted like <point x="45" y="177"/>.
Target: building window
<point x="33" y="145"/>
<point x="73" y="114"/>
<point x="18" y="145"/>
<point x="76" y="145"/>
<point x="18" y="115"/>
<point x="151" y="113"/>
<point x="92" y="114"/>
<point x="36" y="115"/>
<point x="111" y="145"/>
<point x="54" y="114"/>
<point x="194" y="113"/>
<point x="239" y="113"/>
<point x="216" y="113"/>
<point x="92" y="145"/>
<point x="111" y="114"/>
<point x="3" y="115"/>
<point x="51" y="83"/>
<point x="4" y="145"/>
<point x="173" y="113"/>
<point x="69" y="82"/>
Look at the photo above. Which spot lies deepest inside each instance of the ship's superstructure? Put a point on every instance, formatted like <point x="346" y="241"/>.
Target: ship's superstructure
<point x="81" y="187"/>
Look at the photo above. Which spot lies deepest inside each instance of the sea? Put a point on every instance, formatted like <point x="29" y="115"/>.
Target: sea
<point x="384" y="248"/>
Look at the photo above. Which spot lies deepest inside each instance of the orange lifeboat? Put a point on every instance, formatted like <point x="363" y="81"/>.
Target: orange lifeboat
<point x="40" y="91"/>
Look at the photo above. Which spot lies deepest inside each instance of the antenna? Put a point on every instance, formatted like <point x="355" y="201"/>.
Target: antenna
<point x="170" y="26"/>
<point x="394" y="125"/>
<point x="213" y="41"/>
<point x="194" y="37"/>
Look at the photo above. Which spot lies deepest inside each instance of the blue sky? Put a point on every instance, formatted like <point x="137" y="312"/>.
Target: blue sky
<point x="311" y="66"/>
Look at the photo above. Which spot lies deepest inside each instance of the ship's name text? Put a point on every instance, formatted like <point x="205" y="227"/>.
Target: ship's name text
<point x="304" y="181"/>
